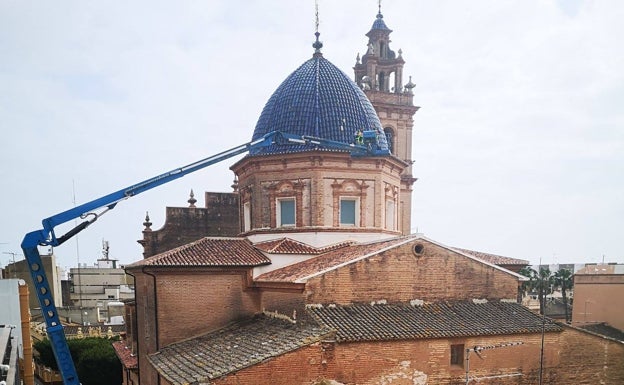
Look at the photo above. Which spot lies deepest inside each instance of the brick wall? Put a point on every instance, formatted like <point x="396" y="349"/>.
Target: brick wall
<point x="183" y="225"/>
<point x="570" y="357"/>
<point x="193" y="303"/>
<point x="259" y="183"/>
<point x="588" y="359"/>
<point x="403" y="362"/>
<point x="302" y="366"/>
<point x="436" y="274"/>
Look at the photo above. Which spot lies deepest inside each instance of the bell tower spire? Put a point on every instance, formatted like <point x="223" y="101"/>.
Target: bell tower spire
<point x="379" y="72"/>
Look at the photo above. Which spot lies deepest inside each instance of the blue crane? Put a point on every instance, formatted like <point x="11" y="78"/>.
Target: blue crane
<point x="47" y="237"/>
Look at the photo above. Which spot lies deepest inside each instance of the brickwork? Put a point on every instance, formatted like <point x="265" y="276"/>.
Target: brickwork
<point x="588" y="359"/>
<point x="183" y="225"/>
<point x="436" y="274"/>
<point x="188" y="304"/>
<point x="318" y="179"/>
<point x="207" y="301"/>
<point x="567" y="360"/>
<point x="302" y="366"/>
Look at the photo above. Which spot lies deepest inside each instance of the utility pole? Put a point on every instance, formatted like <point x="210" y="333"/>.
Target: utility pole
<point x="478" y="349"/>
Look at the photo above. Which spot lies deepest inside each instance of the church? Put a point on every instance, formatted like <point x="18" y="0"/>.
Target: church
<point x="308" y="273"/>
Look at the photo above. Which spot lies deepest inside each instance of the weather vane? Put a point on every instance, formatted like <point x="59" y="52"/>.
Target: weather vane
<point x="316" y="16"/>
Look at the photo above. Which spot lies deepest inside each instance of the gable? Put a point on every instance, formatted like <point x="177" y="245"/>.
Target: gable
<point x="415" y="268"/>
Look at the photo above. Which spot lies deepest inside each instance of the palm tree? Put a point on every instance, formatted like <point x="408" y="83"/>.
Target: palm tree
<point x="544" y="285"/>
<point x="528" y="286"/>
<point x="563" y="280"/>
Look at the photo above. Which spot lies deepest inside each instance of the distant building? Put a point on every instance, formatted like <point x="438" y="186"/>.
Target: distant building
<point x="20" y="270"/>
<point x="599" y="295"/>
<point x="95" y="286"/>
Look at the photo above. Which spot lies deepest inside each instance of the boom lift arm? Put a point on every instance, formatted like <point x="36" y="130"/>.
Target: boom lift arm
<point x="47" y="236"/>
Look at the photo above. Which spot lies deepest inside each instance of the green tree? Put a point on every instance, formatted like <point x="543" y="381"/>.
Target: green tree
<point x="563" y="280"/>
<point x="541" y="282"/>
<point x="545" y="282"/>
<point x="528" y="286"/>
<point x="94" y="358"/>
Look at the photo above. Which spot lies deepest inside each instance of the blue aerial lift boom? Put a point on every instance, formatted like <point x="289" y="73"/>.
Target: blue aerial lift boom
<point x="47" y="236"/>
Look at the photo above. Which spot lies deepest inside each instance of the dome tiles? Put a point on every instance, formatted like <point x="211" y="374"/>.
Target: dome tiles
<point x="318" y="100"/>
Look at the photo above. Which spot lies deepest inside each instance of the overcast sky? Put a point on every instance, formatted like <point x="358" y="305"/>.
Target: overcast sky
<point x="518" y="145"/>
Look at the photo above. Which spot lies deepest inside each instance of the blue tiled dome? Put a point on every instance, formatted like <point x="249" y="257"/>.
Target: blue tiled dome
<point x="380" y="24"/>
<point x="318" y="100"/>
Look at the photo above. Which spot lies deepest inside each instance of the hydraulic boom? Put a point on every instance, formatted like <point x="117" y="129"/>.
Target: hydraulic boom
<point x="47" y="237"/>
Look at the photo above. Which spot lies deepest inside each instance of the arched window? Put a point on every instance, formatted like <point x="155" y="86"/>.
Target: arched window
<point x="390" y="137"/>
<point x="381" y="81"/>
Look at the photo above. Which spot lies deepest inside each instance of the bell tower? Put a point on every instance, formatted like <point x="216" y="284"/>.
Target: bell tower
<point x="379" y="72"/>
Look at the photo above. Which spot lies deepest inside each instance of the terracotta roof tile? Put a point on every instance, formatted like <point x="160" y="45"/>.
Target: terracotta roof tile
<point x="208" y="251"/>
<point x="605" y="329"/>
<point x="125" y="355"/>
<point x="212" y="355"/>
<point x="493" y="258"/>
<point x="350" y="253"/>
<point x="290" y="246"/>
<point x="367" y="322"/>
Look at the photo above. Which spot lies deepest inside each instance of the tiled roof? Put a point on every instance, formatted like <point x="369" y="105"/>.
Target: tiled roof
<point x="125" y="355"/>
<point x="367" y="322"/>
<point x="318" y="100"/>
<point x="208" y="252"/>
<point x="493" y="258"/>
<point x="201" y="359"/>
<point x="380" y="24"/>
<point x="290" y="246"/>
<point x="301" y="271"/>
<point x="605" y="330"/>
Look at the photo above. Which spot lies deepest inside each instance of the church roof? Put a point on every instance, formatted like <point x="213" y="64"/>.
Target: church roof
<point x="319" y="100"/>
<point x="208" y="252"/>
<point x="253" y="341"/>
<point x="382" y="322"/>
<point x="379" y="24"/>
<point x="493" y="258"/>
<point x="290" y="246"/>
<point x="237" y="346"/>
<point x="300" y="272"/>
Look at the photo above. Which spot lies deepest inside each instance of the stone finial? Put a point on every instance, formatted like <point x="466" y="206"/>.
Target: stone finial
<point x="192" y="199"/>
<point x="235" y="184"/>
<point x="400" y="53"/>
<point x="357" y="59"/>
<point x="409" y="86"/>
<point x="147" y="222"/>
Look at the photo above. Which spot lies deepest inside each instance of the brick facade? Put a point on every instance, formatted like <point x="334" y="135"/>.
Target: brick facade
<point x="570" y="357"/>
<point x="317" y="180"/>
<point x="434" y="274"/>
<point x="188" y="224"/>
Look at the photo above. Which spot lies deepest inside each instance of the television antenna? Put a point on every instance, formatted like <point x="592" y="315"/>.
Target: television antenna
<point x="477" y="349"/>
